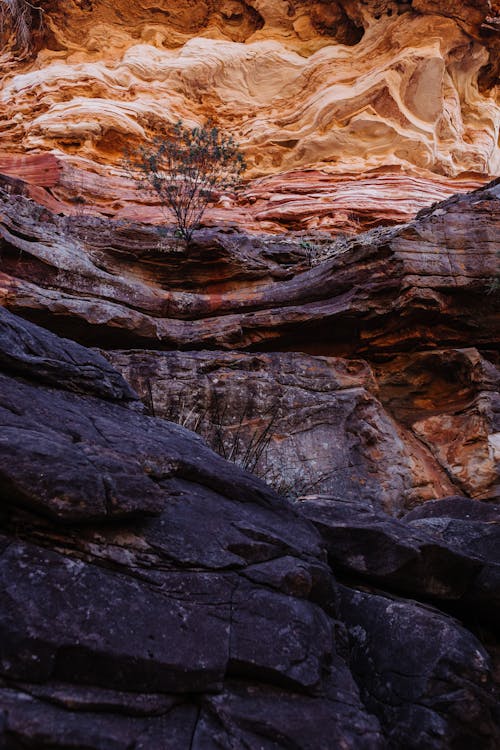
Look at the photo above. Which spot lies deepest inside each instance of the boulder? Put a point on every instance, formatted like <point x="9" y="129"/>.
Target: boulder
<point x="425" y="676"/>
<point x="155" y="595"/>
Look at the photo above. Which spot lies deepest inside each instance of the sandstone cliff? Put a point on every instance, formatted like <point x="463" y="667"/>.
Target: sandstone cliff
<point x="329" y="576"/>
<point x="350" y="113"/>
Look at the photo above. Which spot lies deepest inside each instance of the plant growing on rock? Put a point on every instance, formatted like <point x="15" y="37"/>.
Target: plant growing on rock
<point x="237" y="438"/>
<point x="187" y="169"/>
<point x="18" y="18"/>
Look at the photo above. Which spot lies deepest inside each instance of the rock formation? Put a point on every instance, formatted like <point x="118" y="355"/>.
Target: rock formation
<point x="154" y="595"/>
<point x="329" y="575"/>
<point x="399" y="98"/>
<point x="397" y="400"/>
<point x="386" y="291"/>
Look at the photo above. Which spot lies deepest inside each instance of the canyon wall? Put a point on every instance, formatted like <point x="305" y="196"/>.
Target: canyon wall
<point x="352" y="116"/>
<point x="349" y="113"/>
<point x="319" y="566"/>
<point x="371" y="364"/>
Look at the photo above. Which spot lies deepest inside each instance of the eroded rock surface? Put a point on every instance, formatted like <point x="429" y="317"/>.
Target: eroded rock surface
<point x="398" y="97"/>
<point x="211" y="618"/>
<point x="406" y="657"/>
<point x="305" y="424"/>
<point x="419" y="285"/>
<point x="337" y="426"/>
<point x="397" y="419"/>
<point x="154" y="595"/>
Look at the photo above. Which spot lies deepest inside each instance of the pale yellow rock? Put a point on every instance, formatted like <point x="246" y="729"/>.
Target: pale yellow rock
<point x="291" y="81"/>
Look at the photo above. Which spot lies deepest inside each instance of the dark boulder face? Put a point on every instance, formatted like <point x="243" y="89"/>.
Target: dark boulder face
<point x="447" y="550"/>
<point x="473" y="529"/>
<point x="425" y="676"/>
<point x="141" y="574"/>
<point x="155" y="596"/>
<point x="32" y="352"/>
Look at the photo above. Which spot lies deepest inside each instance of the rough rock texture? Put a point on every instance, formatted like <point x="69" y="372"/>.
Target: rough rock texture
<point x="154" y="595"/>
<point x="474" y="529"/>
<point x="451" y="400"/>
<point x="421" y="285"/>
<point x="211" y="619"/>
<point x="408" y="659"/>
<point x="305" y="424"/>
<point x="419" y="302"/>
<point x="447" y="558"/>
<point x="399" y="95"/>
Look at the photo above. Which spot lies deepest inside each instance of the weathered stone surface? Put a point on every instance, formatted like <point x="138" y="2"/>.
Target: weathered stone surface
<point x="294" y="721"/>
<point x="30" y="722"/>
<point x="446" y="550"/>
<point x="390" y="296"/>
<point x="455" y="507"/>
<point x="320" y="425"/>
<point x="450" y="402"/>
<point x="385" y="292"/>
<point x="425" y="677"/>
<point x="313" y="424"/>
<point x="391" y="552"/>
<point x="153" y="595"/>
<point x="161" y="606"/>
<point x="103" y="460"/>
<point x="474" y="530"/>
<point x="399" y="96"/>
<point x="183" y="648"/>
<point x="210" y="618"/>
<point x="30" y="351"/>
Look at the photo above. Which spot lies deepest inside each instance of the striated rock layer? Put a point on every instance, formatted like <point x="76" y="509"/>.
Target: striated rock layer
<point x="400" y="96"/>
<point x="425" y="284"/>
<point x="396" y="401"/>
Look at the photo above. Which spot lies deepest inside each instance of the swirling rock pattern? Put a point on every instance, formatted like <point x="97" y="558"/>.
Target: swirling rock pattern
<point x="337" y="87"/>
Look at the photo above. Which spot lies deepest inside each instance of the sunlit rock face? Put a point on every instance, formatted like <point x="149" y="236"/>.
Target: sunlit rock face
<point x="396" y="98"/>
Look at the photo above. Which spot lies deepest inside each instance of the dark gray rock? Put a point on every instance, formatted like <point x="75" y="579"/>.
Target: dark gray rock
<point x="36" y="354"/>
<point x="67" y="620"/>
<point x="236" y="533"/>
<point x="366" y="541"/>
<point x="239" y="718"/>
<point x="473" y="529"/>
<point x="26" y="722"/>
<point x="279" y="638"/>
<point x="153" y="595"/>
<point x="83" y="459"/>
<point x="425" y="676"/>
<point x="455" y="507"/>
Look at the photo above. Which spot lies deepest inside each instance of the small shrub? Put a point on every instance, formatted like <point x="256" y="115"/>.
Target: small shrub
<point x="186" y="170"/>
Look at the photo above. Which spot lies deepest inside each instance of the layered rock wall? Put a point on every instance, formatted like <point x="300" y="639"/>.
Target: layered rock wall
<point x="153" y="594"/>
<point x="399" y="95"/>
<point x="417" y="420"/>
